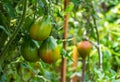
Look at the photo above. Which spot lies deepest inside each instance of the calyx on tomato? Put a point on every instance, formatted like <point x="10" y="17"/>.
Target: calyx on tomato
<point x="49" y="51"/>
<point x="84" y="48"/>
<point x="41" y="28"/>
<point x="29" y="51"/>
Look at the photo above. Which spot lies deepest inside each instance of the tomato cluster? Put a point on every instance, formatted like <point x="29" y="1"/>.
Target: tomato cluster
<point x="48" y="51"/>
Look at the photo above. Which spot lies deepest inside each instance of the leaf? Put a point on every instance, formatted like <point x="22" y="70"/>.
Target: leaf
<point x="69" y="7"/>
<point x="25" y="65"/>
<point x="115" y="33"/>
<point x="70" y="57"/>
<point x="115" y="53"/>
<point x="41" y="4"/>
<point x="76" y="2"/>
<point x="1" y="27"/>
<point x="92" y="31"/>
<point x="10" y="9"/>
<point x="118" y="60"/>
<point x="27" y="24"/>
<point x="59" y="14"/>
<point x="33" y="1"/>
<point x="3" y="78"/>
<point x="63" y="52"/>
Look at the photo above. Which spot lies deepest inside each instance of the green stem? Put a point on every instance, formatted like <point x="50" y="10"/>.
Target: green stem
<point x="98" y="40"/>
<point x="3" y="54"/>
<point x="35" y="8"/>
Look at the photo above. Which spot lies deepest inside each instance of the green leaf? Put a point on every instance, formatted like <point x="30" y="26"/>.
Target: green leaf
<point x="10" y="9"/>
<point x="69" y="7"/>
<point x="63" y="52"/>
<point x="25" y="65"/>
<point x="3" y="78"/>
<point x="41" y="4"/>
<point x="115" y="53"/>
<point x="1" y="27"/>
<point x="76" y="2"/>
<point x="118" y="60"/>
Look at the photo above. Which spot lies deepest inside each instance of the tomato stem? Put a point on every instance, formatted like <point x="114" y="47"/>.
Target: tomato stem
<point x="98" y="40"/>
<point x="83" y="69"/>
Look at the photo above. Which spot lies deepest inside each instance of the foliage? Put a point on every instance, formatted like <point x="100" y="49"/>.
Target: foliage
<point x="86" y="17"/>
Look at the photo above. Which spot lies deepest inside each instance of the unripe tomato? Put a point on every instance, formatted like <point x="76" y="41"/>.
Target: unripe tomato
<point x="41" y="28"/>
<point x="29" y="51"/>
<point x="49" y="51"/>
<point x="84" y="48"/>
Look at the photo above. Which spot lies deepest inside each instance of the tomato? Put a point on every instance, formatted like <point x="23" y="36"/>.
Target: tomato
<point x="29" y="51"/>
<point x="84" y="48"/>
<point x="49" y="51"/>
<point x="41" y="28"/>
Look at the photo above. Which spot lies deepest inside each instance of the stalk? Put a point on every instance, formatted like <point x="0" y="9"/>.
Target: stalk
<point x="65" y="28"/>
<point x="83" y="69"/>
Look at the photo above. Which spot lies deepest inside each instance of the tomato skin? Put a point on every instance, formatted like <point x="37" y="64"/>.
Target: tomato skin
<point x="29" y="51"/>
<point x="84" y="48"/>
<point x="41" y="28"/>
<point x="49" y="51"/>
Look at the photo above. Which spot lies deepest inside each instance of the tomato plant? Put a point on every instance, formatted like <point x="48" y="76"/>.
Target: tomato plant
<point x="49" y="51"/>
<point x="96" y="20"/>
<point x="41" y="28"/>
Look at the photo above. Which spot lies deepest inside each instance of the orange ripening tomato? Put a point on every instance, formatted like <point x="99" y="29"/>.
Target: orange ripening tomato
<point x="84" y="48"/>
<point x="49" y="51"/>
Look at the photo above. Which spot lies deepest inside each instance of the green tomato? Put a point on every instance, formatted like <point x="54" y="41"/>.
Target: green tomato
<point x="29" y="51"/>
<point x="41" y="28"/>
